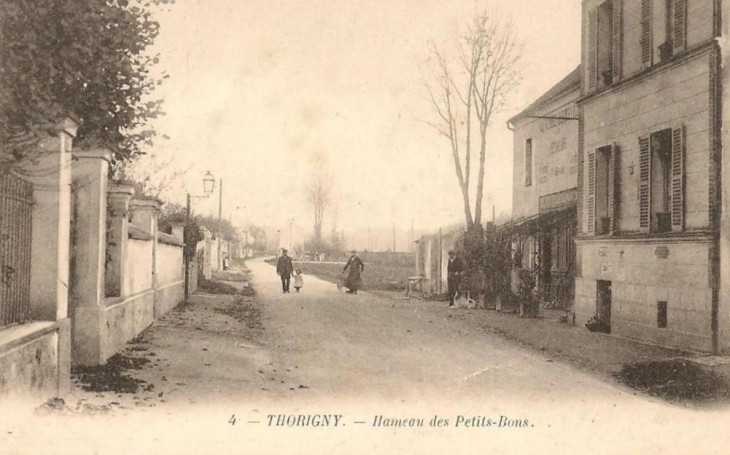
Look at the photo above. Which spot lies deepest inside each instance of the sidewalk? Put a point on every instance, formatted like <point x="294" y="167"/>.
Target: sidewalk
<point x="687" y="378"/>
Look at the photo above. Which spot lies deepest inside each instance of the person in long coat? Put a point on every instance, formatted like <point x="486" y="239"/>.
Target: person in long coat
<point x="353" y="282"/>
<point x="454" y="271"/>
<point x="284" y="269"/>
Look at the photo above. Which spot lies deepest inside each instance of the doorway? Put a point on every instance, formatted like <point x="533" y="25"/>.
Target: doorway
<point x="603" y="302"/>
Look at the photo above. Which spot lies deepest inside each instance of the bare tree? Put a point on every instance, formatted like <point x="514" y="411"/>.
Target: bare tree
<point x="318" y="196"/>
<point x="466" y="93"/>
<point x="158" y="177"/>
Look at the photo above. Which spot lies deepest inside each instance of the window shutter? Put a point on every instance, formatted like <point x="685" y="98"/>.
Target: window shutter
<point x="591" y="193"/>
<point x="613" y="187"/>
<point x="528" y="162"/>
<point x="646" y="32"/>
<point x="617" y="39"/>
<point x="592" y="49"/>
<point x="679" y="40"/>
<point x="644" y="184"/>
<point x="678" y="179"/>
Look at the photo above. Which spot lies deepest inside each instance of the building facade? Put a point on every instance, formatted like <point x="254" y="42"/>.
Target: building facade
<point x="649" y="172"/>
<point x="545" y="180"/>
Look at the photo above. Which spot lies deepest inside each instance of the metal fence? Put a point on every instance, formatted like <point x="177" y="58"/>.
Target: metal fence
<point x="16" y="210"/>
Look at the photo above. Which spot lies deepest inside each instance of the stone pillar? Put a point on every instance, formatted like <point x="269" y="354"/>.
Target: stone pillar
<point x="50" y="241"/>
<point x="118" y="211"/>
<point x="178" y="231"/>
<point x="145" y="212"/>
<point x="207" y="258"/>
<point x="90" y="176"/>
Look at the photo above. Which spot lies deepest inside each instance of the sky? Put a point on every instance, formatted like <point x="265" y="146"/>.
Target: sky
<point x="264" y="94"/>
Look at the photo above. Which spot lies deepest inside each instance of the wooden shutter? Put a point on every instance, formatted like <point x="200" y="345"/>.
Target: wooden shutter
<point x="678" y="179"/>
<point x="528" y="162"/>
<point x="644" y="184"/>
<point x="679" y="25"/>
<point x="646" y="33"/>
<point x="617" y="39"/>
<point x="613" y="187"/>
<point x="591" y="205"/>
<point x="592" y="49"/>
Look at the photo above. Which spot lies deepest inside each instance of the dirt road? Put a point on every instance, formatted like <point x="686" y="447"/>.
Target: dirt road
<point x="328" y="372"/>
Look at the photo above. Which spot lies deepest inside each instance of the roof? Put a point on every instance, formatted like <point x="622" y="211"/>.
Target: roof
<point x="567" y="84"/>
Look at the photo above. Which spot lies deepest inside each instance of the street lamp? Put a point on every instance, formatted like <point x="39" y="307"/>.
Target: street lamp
<point x="208" y="186"/>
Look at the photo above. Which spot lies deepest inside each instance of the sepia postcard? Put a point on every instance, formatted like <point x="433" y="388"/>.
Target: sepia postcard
<point x="364" y="227"/>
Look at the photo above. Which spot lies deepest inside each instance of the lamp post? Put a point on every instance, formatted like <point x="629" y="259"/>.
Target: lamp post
<point x="291" y="220"/>
<point x="208" y="186"/>
<point x="220" y="220"/>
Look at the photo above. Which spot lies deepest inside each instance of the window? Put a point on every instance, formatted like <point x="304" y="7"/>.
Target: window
<point x="661" y="154"/>
<point x="647" y="48"/>
<point x="603" y="217"/>
<point x="675" y="26"/>
<point x="605" y="13"/>
<point x="603" y="194"/>
<point x="528" y="162"/>
<point x="605" y="41"/>
<point x="661" y="315"/>
<point x="661" y="181"/>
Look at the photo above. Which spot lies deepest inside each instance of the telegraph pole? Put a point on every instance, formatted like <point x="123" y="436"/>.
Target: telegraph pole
<point x="394" y="237"/>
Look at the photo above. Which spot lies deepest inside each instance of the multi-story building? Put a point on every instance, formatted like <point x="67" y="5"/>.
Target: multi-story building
<point x="649" y="176"/>
<point x="545" y="180"/>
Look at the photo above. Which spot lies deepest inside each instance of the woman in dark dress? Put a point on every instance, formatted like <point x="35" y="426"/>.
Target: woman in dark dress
<point x="353" y="282"/>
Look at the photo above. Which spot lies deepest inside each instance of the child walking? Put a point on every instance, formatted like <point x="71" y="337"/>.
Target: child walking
<point x="298" y="280"/>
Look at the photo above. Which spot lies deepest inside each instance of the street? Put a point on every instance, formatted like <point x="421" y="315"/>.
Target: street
<point x="353" y="374"/>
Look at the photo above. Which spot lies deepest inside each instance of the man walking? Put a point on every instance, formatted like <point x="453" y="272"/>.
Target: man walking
<point x="284" y="269"/>
<point x="454" y="270"/>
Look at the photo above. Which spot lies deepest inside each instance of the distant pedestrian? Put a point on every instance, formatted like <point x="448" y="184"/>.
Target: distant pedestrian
<point x="454" y="270"/>
<point x="298" y="280"/>
<point x="353" y="282"/>
<point x="284" y="269"/>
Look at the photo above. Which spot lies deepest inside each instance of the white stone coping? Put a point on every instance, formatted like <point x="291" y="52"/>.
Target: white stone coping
<point x="123" y="300"/>
<point x="102" y="154"/>
<point x="137" y="233"/>
<point x="168" y="239"/>
<point x="18" y="335"/>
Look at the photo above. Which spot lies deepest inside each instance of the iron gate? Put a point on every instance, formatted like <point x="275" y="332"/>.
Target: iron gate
<point x="16" y="210"/>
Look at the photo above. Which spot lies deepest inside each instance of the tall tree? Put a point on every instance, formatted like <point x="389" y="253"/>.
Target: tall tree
<point x="471" y="81"/>
<point x="84" y="58"/>
<point x="317" y="192"/>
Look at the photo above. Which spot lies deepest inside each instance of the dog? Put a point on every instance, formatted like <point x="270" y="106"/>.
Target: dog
<point x="339" y="286"/>
<point x="461" y="301"/>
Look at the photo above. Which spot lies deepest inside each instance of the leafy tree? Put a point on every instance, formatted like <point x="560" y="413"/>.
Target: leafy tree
<point x="257" y="236"/>
<point x="172" y="214"/>
<point x="227" y="230"/>
<point x="83" y="58"/>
